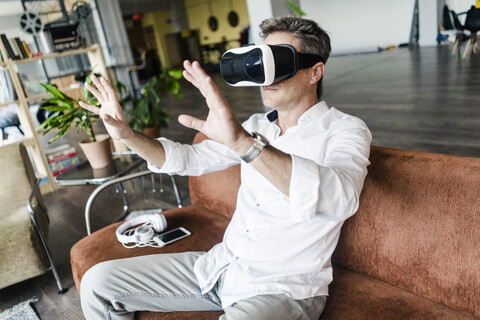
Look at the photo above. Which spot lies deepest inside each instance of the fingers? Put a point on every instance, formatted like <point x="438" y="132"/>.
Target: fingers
<point x="95" y="92"/>
<point x="89" y="107"/>
<point x="99" y="86"/>
<point x="195" y="74"/>
<point x="199" y="78"/>
<point x="191" y="122"/>
<point x="109" y="89"/>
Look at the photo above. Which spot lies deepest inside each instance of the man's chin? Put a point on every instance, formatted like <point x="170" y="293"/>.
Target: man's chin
<point x="268" y="103"/>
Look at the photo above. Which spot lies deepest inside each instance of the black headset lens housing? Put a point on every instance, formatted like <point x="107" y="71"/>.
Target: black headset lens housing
<point x="263" y="65"/>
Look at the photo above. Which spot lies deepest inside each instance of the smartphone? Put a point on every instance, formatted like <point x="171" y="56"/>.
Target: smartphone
<point x="171" y="236"/>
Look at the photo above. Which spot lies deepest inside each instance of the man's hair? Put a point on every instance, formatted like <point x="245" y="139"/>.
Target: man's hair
<point x="312" y="38"/>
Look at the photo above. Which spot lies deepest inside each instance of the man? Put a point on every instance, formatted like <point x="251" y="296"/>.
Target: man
<point x="274" y="261"/>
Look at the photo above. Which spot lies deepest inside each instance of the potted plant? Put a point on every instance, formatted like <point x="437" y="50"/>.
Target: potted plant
<point x="65" y="111"/>
<point x="147" y="113"/>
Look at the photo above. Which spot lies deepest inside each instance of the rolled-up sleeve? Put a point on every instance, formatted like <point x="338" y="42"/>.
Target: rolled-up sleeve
<point x="332" y="188"/>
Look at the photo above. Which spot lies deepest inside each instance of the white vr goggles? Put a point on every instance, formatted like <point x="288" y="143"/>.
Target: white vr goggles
<point x="263" y="65"/>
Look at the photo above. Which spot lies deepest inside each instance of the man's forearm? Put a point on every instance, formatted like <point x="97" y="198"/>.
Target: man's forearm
<point x="273" y="164"/>
<point x="148" y="148"/>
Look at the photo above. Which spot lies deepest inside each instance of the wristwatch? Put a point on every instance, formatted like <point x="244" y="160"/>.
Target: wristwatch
<point x="260" y="143"/>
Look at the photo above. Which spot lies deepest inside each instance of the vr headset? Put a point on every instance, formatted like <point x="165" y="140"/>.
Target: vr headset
<point x="263" y="65"/>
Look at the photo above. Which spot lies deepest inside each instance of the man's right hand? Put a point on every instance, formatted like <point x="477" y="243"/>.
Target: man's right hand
<point x="111" y="112"/>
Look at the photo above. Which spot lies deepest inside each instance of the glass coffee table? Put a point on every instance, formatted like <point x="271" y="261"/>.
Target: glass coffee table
<point x="84" y="174"/>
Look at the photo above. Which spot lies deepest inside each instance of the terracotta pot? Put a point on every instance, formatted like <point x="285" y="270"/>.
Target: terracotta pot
<point x="153" y="132"/>
<point x="99" y="153"/>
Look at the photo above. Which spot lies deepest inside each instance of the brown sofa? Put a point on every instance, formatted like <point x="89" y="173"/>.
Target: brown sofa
<point x="410" y="252"/>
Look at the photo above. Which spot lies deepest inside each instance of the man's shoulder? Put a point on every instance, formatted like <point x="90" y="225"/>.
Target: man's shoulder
<point x="339" y="120"/>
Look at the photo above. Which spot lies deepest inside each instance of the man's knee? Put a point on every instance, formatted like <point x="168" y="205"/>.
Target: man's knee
<point x="96" y="279"/>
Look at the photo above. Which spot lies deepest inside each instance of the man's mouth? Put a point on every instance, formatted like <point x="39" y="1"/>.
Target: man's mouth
<point x="269" y="88"/>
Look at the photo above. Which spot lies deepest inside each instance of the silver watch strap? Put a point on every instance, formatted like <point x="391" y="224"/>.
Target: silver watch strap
<point x="256" y="148"/>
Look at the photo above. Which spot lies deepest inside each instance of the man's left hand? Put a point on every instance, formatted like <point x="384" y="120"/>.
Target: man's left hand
<point x="221" y="124"/>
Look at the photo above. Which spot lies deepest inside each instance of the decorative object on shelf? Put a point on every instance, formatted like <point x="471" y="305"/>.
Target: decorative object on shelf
<point x="65" y="112"/>
<point x="147" y="113"/>
<point x="81" y="11"/>
<point x="212" y="20"/>
<point x="31" y="23"/>
<point x="64" y="36"/>
<point x="232" y="16"/>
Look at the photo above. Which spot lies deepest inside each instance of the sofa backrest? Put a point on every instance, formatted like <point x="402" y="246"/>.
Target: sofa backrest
<point x="418" y="226"/>
<point x="216" y="191"/>
<point x="17" y="177"/>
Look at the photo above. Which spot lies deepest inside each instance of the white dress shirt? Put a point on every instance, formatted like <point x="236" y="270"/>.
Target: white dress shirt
<point x="277" y="244"/>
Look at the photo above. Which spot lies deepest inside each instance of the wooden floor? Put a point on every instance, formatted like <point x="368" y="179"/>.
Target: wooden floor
<point x="422" y="99"/>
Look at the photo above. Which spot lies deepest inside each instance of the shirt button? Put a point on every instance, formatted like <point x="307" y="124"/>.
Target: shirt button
<point x="258" y="204"/>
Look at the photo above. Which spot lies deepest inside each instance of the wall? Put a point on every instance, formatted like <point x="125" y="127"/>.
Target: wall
<point x="460" y="5"/>
<point x="357" y="26"/>
<point x="198" y="12"/>
<point x="161" y="22"/>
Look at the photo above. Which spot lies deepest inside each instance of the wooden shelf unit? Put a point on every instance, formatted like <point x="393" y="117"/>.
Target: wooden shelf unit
<point x="32" y="140"/>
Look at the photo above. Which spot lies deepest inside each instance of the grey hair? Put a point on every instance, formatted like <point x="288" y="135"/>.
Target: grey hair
<point x="313" y="39"/>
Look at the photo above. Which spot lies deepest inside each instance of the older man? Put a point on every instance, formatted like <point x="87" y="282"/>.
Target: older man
<point x="302" y="168"/>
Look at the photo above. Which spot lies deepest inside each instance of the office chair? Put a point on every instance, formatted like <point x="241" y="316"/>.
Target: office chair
<point x="461" y="36"/>
<point x="472" y="24"/>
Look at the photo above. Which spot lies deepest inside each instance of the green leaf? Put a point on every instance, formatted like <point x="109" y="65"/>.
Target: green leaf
<point x="295" y="8"/>
<point x="175" y="73"/>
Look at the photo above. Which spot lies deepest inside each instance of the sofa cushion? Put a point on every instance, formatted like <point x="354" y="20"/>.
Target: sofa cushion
<point x="418" y="226"/>
<point x="207" y="229"/>
<point x="357" y="296"/>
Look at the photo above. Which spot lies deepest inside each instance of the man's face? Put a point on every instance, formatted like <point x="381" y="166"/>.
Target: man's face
<point x="288" y="93"/>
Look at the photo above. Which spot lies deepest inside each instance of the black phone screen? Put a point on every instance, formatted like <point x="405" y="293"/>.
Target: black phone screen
<point x="171" y="235"/>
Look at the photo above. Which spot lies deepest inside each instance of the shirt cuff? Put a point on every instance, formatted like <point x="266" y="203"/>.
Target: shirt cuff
<point x="304" y="186"/>
<point x="170" y="164"/>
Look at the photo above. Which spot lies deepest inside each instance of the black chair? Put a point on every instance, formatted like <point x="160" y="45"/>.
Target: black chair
<point x="461" y="36"/>
<point x="472" y="24"/>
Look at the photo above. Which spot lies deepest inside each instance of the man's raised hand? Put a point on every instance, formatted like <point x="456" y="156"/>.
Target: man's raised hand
<point x="221" y="124"/>
<point x="111" y="112"/>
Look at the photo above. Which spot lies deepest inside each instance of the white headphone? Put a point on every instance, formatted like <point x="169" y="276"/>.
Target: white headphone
<point x="141" y="230"/>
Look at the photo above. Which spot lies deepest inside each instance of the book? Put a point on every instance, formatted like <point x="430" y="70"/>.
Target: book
<point x="16" y="52"/>
<point x="21" y="48"/>
<point x="7" y="46"/>
<point x="62" y="158"/>
<point x="27" y="49"/>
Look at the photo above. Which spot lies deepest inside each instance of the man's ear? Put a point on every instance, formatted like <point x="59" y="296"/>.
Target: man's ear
<point x="317" y="72"/>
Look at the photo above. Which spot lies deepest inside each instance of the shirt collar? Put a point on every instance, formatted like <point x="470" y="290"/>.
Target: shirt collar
<point x="314" y="112"/>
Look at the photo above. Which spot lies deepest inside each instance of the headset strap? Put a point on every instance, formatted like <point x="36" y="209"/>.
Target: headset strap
<point x="307" y="60"/>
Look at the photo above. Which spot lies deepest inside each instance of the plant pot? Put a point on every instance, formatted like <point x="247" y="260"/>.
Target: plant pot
<point x="153" y="132"/>
<point x="99" y="153"/>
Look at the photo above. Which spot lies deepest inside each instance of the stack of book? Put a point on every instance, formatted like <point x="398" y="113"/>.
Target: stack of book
<point x="62" y="158"/>
<point x="16" y="48"/>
